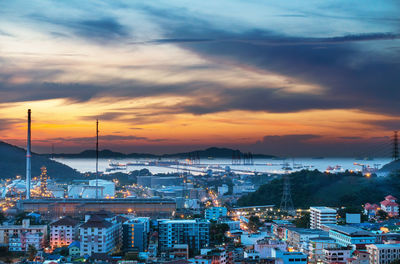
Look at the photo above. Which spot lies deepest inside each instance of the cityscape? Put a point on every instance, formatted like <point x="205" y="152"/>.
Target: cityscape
<point x="212" y="132"/>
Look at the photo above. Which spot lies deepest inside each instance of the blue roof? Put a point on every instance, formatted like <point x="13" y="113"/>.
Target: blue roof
<point x="75" y="244"/>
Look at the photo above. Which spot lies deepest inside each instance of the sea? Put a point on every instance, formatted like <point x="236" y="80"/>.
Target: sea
<point x="259" y="165"/>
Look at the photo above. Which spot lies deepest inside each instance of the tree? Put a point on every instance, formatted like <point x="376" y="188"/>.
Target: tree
<point x="217" y="233"/>
<point x="254" y="223"/>
<point x="2" y="217"/>
<point x="64" y="251"/>
<point x="32" y="252"/>
<point x="382" y="215"/>
<point x="303" y="221"/>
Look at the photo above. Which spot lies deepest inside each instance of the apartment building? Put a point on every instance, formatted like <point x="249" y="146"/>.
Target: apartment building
<point x="320" y="215"/>
<point x="383" y="253"/>
<point x="99" y="234"/>
<point x="63" y="232"/>
<point x="135" y="234"/>
<point x="19" y="237"/>
<point x="194" y="233"/>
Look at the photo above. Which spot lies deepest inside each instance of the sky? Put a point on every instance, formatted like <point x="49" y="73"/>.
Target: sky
<point x="288" y="78"/>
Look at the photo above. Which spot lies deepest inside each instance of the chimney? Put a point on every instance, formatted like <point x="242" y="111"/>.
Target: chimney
<point x="28" y="158"/>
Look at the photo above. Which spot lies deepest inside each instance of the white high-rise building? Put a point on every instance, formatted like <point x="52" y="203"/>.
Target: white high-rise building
<point x="99" y="234"/>
<point x="63" y="232"/>
<point x="320" y="215"/>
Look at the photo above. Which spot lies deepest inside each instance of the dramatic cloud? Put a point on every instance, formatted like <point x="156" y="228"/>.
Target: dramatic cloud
<point x="316" y="146"/>
<point x="223" y="73"/>
<point x="6" y="124"/>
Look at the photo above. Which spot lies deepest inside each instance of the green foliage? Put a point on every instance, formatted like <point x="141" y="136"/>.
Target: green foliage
<point x="303" y="221"/>
<point x="32" y="252"/>
<point x="382" y="215"/>
<point x="311" y="188"/>
<point x="2" y="217"/>
<point x="131" y="256"/>
<point x="254" y="223"/>
<point x="217" y="233"/>
<point x="64" y="251"/>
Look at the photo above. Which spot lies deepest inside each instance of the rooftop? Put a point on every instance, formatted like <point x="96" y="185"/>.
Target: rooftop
<point x="96" y="222"/>
<point x="381" y="246"/>
<point x="349" y="230"/>
<point x="323" y="209"/>
<point x="322" y="238"/>
<point x="65" y="221"/>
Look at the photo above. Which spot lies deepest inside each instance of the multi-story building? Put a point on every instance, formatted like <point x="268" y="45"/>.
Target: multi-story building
<point x="383" y="253"/>
<point x="135" y="234"/>
<point x="63" y="232"/>
<point x="390" y="206"/>
<point x="218" y="256"/>
<point x="179" y="251"/>
<point x="371" y="209"/>
<point x="223" y="189"/>
<point x="350" y="236"/>
<point x="19" y="237"/>
<point x="279" y="228"/>
<point x="197" y="193"/>
<point x="359" y="257"/>
<point x="194" y="233"/>
<point x="320" y="215"/>
<point x="336" y="255"/>
<point x="233" y="225"/>
<point x="317" y="245"/>
<point x="99" y="234"/>
<point x="297" y="236"/>
<point x="265" y="246"/>
<point x="214" y="213"/>
<point x="283" y="257"/>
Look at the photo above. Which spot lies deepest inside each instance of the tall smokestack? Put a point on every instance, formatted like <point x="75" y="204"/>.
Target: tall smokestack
<point x="97" y="158"/>
<point x="28" y="158"/>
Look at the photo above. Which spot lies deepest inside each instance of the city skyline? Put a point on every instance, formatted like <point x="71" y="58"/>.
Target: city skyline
<point x="315" y="79"/>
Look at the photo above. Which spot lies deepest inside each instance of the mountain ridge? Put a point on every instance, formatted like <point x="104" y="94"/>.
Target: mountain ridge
<point x="214" y="152"/>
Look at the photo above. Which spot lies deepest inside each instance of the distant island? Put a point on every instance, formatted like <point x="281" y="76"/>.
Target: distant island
<point x="212" y="152"/>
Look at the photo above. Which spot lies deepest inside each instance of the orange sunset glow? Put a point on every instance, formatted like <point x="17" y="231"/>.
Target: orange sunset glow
<point x="162" y="78"/>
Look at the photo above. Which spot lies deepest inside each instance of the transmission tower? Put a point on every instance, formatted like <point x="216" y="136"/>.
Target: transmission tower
<point x="287" y="202"/>
<point x="395" y="146"/>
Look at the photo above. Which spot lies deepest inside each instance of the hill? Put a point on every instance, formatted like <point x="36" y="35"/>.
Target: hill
<point x="13" y="162"/>
<point x="310" y="188"/>
<point x="210" y="152"/>
<point x="390" y="168"/>
<point x="105" y="154"/>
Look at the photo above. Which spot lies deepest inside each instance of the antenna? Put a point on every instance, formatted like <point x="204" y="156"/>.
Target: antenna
<point x="28" y="158"/>
<point x="97" y="159"/>
<point x="395" y="146"/>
